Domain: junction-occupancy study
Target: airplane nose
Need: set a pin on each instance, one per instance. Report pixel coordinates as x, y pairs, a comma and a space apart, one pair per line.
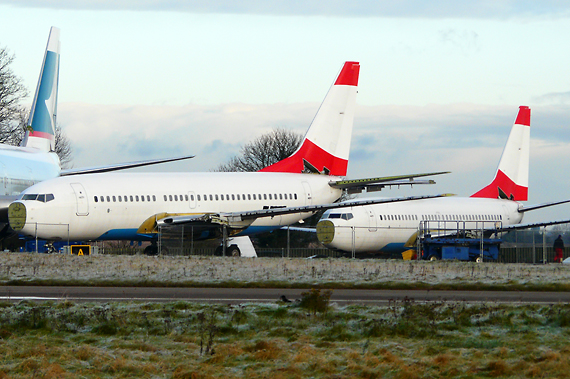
325, 231
17, 216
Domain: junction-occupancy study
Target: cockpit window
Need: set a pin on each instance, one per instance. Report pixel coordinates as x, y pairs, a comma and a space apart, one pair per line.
344, 216
44, 198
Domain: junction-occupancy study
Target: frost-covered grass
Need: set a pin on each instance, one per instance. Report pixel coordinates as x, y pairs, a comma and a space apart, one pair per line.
189, 340
29, 268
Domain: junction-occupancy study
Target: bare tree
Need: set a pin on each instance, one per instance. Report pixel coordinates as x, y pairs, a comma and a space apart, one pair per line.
264, 151
12, 91
63, 147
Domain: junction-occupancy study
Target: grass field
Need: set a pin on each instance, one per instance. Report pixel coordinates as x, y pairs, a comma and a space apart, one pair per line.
303, 339
283, 340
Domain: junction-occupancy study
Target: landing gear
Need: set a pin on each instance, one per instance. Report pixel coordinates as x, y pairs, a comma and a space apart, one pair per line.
50, 249
233, 251
151, 249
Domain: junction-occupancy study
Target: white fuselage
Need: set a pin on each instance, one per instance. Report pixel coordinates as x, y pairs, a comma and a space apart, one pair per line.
393, 227
114, 206
22, 167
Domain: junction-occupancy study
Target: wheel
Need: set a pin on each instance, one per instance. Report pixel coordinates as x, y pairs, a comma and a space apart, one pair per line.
479, 259
151, 250
233, 251
434, 258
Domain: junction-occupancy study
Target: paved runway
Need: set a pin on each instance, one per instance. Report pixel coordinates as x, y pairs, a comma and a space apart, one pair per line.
243, 295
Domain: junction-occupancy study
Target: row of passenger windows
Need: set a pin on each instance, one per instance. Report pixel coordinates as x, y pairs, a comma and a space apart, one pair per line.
249, 196
192, 197
443, 217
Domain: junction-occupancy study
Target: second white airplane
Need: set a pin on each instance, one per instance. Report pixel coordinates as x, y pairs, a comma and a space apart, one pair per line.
393, 228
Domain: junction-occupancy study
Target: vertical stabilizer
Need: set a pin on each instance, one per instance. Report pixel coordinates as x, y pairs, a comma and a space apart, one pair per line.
326, 146
511, 179
40, 133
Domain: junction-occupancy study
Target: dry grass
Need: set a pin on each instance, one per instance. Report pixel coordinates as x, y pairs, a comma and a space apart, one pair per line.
532, 343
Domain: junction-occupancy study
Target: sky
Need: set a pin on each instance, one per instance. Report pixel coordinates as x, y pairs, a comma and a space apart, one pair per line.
440, 81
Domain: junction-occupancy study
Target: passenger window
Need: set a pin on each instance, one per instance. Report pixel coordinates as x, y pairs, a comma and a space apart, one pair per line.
186, 197
169, 198
142, 198
192, 197
254, 197
249, 196
265, 197
211, 198
165, 198
137, 198
295, 196
153, 198
175, 197
198, 197
95, 198
120, 198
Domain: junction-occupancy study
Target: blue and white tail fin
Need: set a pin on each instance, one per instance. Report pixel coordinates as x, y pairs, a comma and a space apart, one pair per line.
40, 131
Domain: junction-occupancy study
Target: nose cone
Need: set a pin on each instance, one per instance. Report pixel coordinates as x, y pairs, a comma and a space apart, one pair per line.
325, 231
17, 216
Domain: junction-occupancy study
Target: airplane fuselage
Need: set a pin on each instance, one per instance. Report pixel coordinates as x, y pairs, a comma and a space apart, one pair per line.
394, 227
114, 206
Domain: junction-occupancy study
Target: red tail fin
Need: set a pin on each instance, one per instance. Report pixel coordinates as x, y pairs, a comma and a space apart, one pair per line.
511, 179
326, 145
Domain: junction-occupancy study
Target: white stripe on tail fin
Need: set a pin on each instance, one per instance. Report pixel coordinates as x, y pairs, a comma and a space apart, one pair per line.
40, 133
326, 145
511, 179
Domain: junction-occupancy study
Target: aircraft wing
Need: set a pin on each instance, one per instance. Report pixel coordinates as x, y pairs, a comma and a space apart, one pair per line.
376, 184
528, 226
234, 217
120, 166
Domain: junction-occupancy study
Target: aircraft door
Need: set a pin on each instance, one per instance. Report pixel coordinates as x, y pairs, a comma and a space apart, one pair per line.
192, 199
81, 199
372, 225
308, 194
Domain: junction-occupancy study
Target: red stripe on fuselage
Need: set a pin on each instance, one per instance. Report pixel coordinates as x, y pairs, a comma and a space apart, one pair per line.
315, 156
510, 188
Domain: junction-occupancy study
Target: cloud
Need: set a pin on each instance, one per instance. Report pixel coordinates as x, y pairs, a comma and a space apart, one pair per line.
342, 8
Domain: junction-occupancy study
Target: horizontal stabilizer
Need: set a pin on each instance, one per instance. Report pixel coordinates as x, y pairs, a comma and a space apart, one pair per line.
539, 206
120, 166
376, 184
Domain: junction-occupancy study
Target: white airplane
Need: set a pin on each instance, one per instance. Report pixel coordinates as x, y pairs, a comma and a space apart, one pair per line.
393, 228
132, 206
35, 160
